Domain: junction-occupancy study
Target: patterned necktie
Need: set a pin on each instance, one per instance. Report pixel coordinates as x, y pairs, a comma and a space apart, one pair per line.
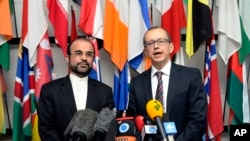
159, 90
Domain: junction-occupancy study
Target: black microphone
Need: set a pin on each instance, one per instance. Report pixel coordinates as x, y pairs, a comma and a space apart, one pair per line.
155, 111
81, 126
102, 124
126, 129
170, 128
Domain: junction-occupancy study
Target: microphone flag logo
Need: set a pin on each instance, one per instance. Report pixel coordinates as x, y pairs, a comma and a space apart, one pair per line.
170, 127
124, 127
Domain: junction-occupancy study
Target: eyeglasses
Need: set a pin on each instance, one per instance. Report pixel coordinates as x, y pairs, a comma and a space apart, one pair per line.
80, 54
160, 42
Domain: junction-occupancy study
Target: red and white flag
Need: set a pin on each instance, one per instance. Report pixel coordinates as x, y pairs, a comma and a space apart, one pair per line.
58, 16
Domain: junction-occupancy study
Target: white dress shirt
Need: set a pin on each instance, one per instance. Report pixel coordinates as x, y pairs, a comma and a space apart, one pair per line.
80, 88
165, 80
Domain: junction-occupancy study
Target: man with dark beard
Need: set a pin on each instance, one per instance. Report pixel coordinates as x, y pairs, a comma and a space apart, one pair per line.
60, 99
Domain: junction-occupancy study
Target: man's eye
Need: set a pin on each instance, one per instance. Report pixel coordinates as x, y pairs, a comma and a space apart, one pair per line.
161, 41
150, 43
78, 53
89, 54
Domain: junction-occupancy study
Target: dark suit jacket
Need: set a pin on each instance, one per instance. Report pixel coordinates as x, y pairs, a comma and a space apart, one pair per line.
186, 100
57, 105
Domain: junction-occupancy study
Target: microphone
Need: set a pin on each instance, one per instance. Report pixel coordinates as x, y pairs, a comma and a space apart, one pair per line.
170, 128
81, 125
149, 131
102, 124
139, 122
126, 129
155, 112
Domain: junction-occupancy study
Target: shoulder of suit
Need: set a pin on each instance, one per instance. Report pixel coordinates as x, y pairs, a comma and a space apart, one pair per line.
98, 83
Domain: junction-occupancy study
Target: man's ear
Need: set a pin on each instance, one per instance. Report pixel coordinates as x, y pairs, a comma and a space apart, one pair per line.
145, 52
171, 47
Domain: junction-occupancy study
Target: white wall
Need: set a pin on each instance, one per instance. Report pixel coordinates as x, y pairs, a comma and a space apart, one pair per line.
60, 66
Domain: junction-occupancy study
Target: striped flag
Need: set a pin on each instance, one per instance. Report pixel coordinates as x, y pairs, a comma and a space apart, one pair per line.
173, 19
235, 88
229, 34
38, 41
212, 87
199, 27
5, 33
91, 18
139, 22
24, 108
95, 72
116, 44
244, 51
91, 23
58, 16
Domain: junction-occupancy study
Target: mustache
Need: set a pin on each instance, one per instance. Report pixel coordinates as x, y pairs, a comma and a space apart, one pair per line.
83, 63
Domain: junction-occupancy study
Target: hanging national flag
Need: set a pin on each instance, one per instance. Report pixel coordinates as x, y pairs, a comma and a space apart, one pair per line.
244, 51
91, 23
91, 18
3, 89
212, 86
58, 16
116, 31
245, 29
199, 27
121, 88
5, 33
95, 72
235, 86
44, 65
73, 34
24, 108
229, 34
173, 19
139, 22
38, 41
116, 44
37, 26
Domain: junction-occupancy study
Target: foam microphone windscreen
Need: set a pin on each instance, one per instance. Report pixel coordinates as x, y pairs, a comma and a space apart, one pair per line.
103, 122
139, 122
81, 125
155, 112
154, 109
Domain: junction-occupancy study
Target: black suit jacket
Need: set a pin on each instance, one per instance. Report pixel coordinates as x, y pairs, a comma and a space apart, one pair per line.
186, 100
57, 105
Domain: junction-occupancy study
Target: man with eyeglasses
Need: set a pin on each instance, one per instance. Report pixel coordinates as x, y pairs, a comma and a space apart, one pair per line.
181, 89
60, 99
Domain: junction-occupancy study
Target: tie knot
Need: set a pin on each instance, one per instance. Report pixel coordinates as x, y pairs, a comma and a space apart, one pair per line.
159, 74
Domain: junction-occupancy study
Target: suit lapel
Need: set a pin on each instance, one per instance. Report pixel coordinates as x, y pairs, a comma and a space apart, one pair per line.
91, 88
147, 83
173, 83
67, 92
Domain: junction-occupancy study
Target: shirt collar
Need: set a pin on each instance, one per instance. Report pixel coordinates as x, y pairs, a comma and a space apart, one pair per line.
76, 79
165, 69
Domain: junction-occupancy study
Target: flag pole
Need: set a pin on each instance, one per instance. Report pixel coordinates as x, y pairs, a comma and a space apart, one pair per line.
5, 99
7, 110
14, 12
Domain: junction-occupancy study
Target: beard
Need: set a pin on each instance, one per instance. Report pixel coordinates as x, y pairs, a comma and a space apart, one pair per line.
82, 72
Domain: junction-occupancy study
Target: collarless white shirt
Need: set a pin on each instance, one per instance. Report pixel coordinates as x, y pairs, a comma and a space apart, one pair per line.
165, 81
80, 89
